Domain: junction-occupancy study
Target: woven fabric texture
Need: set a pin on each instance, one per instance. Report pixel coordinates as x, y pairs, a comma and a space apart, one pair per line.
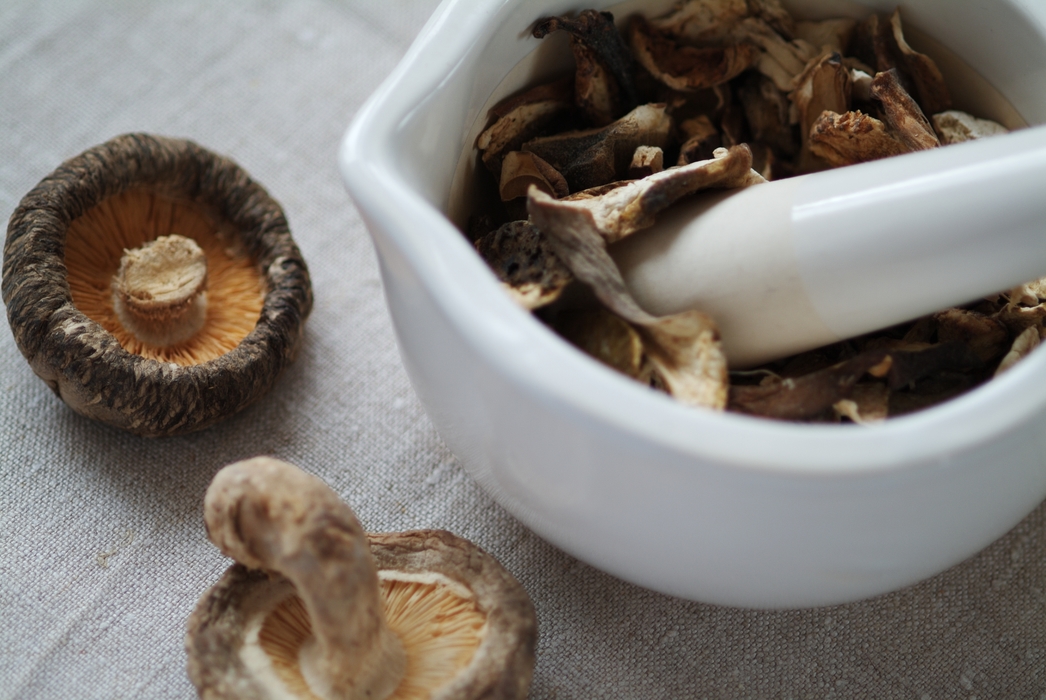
103, 553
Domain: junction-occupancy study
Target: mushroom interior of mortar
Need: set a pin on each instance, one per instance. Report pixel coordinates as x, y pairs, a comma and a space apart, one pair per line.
168, 279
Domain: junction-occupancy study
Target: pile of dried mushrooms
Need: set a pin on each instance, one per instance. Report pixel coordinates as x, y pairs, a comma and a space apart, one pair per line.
724, 94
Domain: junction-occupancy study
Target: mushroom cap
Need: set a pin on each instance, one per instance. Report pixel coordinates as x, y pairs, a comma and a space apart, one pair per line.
229, 636
83, 362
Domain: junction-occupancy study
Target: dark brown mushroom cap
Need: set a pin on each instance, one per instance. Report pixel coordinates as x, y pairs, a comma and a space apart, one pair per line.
500, 669
83, 363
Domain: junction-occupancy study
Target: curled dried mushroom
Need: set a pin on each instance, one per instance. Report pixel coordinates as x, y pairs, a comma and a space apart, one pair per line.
317, 608
153, 285
735, 92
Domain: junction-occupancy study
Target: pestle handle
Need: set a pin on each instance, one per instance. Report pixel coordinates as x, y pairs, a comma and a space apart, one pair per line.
795, 264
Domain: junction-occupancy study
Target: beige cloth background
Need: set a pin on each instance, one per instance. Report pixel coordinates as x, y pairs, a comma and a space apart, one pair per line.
102, 547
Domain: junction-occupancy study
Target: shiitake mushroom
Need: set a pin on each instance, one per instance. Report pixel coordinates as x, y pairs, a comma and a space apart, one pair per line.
154, 285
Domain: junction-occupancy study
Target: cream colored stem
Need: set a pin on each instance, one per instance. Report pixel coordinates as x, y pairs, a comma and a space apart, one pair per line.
267, 514
158, 292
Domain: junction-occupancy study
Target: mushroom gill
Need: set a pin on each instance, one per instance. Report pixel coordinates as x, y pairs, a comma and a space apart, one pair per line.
439, 626
119, 226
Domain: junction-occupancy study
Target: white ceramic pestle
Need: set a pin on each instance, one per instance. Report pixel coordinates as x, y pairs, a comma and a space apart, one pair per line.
795, 264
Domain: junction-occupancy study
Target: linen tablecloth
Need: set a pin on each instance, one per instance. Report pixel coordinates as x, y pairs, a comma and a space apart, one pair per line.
102, 547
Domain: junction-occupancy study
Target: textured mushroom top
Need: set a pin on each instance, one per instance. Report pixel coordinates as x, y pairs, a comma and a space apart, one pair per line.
69, 314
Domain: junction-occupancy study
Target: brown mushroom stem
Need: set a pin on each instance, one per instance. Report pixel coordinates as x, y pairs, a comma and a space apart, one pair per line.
267, 514
159, 291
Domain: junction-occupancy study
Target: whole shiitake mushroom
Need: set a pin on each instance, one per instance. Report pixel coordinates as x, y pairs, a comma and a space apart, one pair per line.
317, 608
154, 285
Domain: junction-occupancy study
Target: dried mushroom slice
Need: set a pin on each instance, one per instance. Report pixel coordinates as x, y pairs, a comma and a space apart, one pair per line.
954, 126
908, 364
715, 21
869, 403
684, 348
920, 71
873, 43
604, 336
594, 157
902, 114
700, 140
824, 86
686, 354
808, 397
826, 392
767, 112
153, 285
647, 160
317, 608
987, 336
621, 209
1021, 348
521, 118
604, 88
687, 68
732, 117
520, 170
1017, 319
830, 35
851, 138
781, 60
1036, 289
525, 263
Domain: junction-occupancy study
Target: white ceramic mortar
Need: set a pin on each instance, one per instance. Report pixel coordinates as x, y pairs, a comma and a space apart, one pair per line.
715, 507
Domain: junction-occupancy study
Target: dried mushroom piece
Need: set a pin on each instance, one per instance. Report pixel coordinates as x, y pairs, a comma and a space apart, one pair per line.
1036, 290
685, 352
687, 68
902, 114
605, 337
808, 397
732, 117
153, 285
647, 160
872, 43
767, 112
869, 403
521, 118
920, 71
315, 608
830, 35
880, 43
525, 264
700, 140
908, 363
520, 170
862, 85
1021, 348
851, 138
715, 21
954, 126
594, 157
1017, 319
621, 209
684, 348
987, 336
781, 60
604, 88
824, 85
826, 392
